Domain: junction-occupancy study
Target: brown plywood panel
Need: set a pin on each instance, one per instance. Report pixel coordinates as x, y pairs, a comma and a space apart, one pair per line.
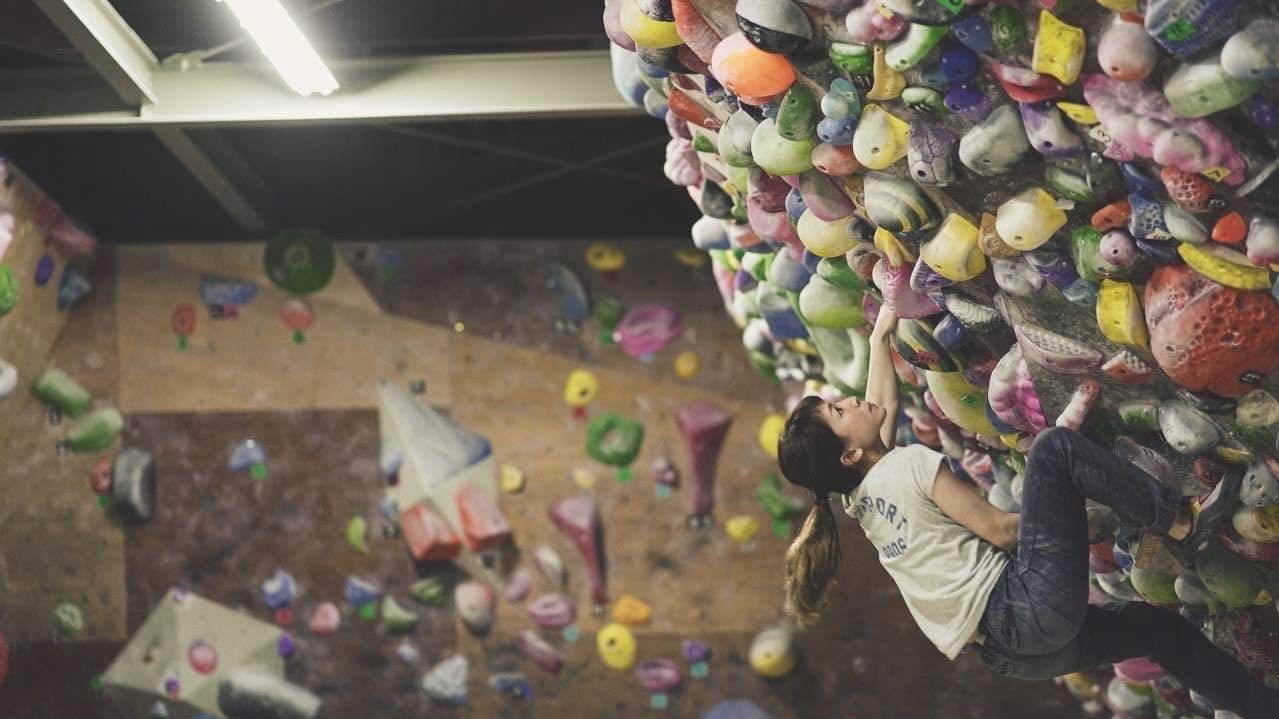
250, 362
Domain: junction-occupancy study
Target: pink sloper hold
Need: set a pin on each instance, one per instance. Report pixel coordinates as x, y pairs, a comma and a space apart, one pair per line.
1076, 410
552, 611
1012, 394
613, 25
646, 329
1140, 120
704, 428
894, 283
579, 519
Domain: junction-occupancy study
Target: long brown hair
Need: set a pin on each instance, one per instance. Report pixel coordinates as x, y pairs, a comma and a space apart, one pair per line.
808, 453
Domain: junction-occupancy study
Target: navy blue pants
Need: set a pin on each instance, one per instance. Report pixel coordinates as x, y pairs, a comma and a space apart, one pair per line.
1038, 623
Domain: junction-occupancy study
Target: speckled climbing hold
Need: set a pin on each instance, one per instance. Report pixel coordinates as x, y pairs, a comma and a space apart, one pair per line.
1186, 429
1016, 277
1059, 49
614, 439
852, 58
616, 646
1028, 219
888, 83
1125, 51
996, 145
1253, 53
1260, 482
1056, 352
1201, 88
1119, 314
1225, 266
68, 619
631, 610
953, 251
989, 241
747, 70
1184, 27
776, 27
772, 652
446, 681
918, 43
552, 611
1047, 131
1257, 408
475, 601
931, 153
778, 155
880, 139
95, 431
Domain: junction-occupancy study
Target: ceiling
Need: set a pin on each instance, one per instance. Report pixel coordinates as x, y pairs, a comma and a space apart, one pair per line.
582, 177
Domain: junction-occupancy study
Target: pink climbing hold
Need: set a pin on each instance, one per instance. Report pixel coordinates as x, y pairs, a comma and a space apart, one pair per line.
1012, 394
1138, 670
579, 519
538, 651
906, 303
703, 427
1076, 410
646, 329
202, 657
325, 620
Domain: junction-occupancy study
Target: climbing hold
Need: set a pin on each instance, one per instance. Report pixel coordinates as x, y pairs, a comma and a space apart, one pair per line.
299, 262
1184, 27
324, 620
1055, 352
776, 154
428, 536
56, 388
511, 479
1253, 53
1257, 408
395, 618
910, 50
616, 646
772, 652
1047, 132
1119, 314
431, 591
631, 610
798, 114
360, 592
888, 83
953, 251
1016, 277
688, 364
475, 602
1128, 368
930, 153
881, 138
95, 431
578, 519
1260, 482
68, 619
1125, 51
1202, 88
776, 27
1028, 219
1263, 241
8, 379
605, 257
1186, 429
770, 431
356, 528
747, 70
703, 427
552, 611
898, 206
1059, 49
539, 651
570, 294
580, 388
446, 681
9, 289
1223, 265
741, 528
613, 439
551, 565
995, 145
279, 590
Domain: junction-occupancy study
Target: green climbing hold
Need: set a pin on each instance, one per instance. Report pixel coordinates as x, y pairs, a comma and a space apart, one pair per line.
355, 531
924, 98
96, 431
8, 289
1085, 243
798, 114
1007, 26
1258, 438
95, 682
702, 143
396, 618
825, 304
1068, 184
432, 591
300, 262
1140, 414
852, 58
607, 314
368, 612
910, 50
836, 271
68, 620
614, 439
56, 388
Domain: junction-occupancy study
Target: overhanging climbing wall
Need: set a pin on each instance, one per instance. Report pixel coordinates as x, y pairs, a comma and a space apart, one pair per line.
1073, 207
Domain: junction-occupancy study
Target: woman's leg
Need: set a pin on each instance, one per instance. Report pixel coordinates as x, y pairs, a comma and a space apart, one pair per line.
1141, 630
1046, 586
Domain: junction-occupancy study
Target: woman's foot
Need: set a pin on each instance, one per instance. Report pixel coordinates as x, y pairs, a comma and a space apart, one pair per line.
1208, 514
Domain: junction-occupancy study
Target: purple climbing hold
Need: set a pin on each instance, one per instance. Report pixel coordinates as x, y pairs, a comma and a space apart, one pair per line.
695, 650
287, 646
969, 103
931, 153
959, 63
658, 675
44, 270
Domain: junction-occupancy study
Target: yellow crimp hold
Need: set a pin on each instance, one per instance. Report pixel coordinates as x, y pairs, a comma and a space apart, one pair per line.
888, 83
690, 257
511, 479
1079, 112
605, 257
1119, 314
802, 346
687, 364
880, 139
741, 528
894, 251
1216, 174
1059, 49
953, 251
770, 432
1225, 266
631, 610
646, 31
1010, 440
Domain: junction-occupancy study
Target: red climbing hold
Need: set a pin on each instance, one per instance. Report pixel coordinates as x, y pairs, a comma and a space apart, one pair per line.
1112, 216
483, 525
1230, 229
429, 537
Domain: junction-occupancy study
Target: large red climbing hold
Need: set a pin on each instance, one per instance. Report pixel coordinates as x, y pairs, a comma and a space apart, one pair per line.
1190, 190
429, 537
1207, 337
483, 525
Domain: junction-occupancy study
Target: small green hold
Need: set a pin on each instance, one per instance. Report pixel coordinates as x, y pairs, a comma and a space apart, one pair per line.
8, 289
369, 611
798, 113
355, 531
624, 474
56, 388
1068, 185
699, 670
781, 528
702, 143
1084, 245
911, 50
1142, 415
96, 431
396, 618
852, 58
257, 470
103, 502
924, 98
431, 591
68, 620
1007, 26
1257, 438
95, 682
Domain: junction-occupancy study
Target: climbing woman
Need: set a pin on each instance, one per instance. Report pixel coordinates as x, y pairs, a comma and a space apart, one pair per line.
1014, 586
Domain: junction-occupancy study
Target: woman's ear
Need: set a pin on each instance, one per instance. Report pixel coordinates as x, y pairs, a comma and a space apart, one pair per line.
851, 456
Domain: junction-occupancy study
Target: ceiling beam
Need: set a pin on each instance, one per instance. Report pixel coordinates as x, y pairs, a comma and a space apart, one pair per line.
120, 58
419, 89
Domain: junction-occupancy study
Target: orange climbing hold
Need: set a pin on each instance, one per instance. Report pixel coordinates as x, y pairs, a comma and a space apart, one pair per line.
428, 535
1112, 216
746, 70
687, 109
1230, 229
482, 522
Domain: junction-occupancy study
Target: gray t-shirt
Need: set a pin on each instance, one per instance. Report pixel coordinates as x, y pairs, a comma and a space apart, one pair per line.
944, 571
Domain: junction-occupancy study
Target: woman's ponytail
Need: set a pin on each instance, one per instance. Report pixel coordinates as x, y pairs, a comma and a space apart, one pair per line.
811, 563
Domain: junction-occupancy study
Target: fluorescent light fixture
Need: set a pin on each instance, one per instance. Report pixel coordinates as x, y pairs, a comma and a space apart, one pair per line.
270, 26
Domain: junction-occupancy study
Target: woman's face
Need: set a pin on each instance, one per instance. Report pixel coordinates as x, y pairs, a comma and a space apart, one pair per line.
855, 421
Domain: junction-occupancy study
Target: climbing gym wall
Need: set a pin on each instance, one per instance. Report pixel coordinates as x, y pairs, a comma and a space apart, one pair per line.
1071, 204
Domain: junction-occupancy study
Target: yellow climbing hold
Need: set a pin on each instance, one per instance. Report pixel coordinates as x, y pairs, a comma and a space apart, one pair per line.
880, 139
826, 239
689, 257
646, 31
580, 388
1119, 314
511, 479
1010, 439
355, 530
953, 251
888, 83
963, 402
616, 646
1119, 5
802, 346
605, 257
770, 432
742, 527
1079, 112
687, 364
894, 251
1225, 266
1028, 219
1082, 685
772, 652
632, 610
583, 478
1059, 49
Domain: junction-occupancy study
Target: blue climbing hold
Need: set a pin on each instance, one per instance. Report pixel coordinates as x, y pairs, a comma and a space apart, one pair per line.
959, 63
974, 32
